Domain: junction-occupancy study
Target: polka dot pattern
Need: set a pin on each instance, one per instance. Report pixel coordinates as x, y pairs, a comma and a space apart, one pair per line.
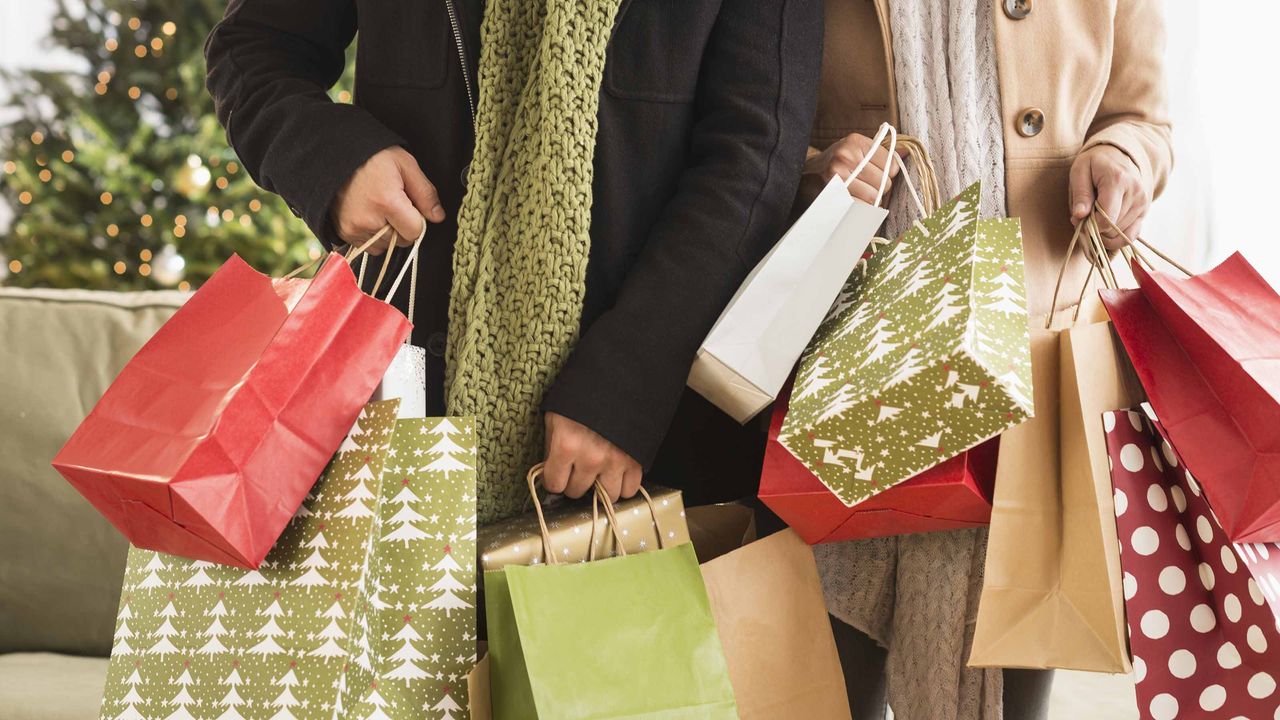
1202, 612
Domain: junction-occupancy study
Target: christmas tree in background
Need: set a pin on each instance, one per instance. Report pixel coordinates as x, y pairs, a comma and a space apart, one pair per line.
118, 175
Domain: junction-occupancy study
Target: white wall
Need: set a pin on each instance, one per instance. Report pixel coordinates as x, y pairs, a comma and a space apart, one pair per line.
1224, 94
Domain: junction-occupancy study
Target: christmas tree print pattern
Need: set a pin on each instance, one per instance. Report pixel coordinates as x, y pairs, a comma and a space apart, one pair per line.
924, 355
302, 635
421, 609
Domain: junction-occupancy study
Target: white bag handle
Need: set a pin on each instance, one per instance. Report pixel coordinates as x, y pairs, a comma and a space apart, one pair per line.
885, 129
892, 133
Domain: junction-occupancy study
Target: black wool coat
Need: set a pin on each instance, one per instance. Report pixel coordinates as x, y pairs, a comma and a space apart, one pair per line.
704, 118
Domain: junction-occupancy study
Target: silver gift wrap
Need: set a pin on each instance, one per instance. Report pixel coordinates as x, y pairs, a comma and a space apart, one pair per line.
406, 379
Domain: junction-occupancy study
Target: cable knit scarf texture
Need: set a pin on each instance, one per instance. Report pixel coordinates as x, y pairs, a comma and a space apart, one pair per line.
519, 265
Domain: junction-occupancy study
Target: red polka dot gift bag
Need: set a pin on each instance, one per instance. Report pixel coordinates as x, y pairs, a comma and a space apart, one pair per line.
1202, 611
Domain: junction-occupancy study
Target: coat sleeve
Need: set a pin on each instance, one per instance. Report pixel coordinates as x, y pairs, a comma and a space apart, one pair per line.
1133, 114
270, 66
753, 113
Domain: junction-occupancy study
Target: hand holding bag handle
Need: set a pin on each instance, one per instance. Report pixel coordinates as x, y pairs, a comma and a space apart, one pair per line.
1097, 254
361, 252
927, 200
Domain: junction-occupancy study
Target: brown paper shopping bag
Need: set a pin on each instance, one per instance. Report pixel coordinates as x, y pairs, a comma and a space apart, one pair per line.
1052, 595
768, 605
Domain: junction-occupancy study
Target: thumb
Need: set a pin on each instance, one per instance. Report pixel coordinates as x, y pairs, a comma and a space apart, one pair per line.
1082, 196
421, 192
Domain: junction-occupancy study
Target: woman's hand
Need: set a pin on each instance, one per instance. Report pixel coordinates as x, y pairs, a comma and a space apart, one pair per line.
1106, 175
388, 188
577, 456
841, 157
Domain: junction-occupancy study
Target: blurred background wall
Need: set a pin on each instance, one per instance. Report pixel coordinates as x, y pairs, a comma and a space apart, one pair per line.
1221, 69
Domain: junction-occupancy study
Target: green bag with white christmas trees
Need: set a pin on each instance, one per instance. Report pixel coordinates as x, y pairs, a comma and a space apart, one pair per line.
925, 355
365, 608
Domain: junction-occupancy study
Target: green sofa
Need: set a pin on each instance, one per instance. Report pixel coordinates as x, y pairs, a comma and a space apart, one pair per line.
61, 563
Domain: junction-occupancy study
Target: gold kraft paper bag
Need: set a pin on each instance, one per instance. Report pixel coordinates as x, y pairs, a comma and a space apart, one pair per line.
767, 602
1052, 597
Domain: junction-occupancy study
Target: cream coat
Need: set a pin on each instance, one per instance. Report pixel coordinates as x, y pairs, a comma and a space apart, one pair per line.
1093, 68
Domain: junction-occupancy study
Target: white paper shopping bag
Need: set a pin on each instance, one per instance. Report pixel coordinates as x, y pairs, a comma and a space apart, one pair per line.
749, 353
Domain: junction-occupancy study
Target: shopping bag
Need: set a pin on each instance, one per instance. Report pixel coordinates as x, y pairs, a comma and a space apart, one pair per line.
778, 669
1051, 594
719, 529
578, 530
767, 602
749, 353
1202, 612
950, 496
207, 441
324, 626
641, 622
925, 357
1208, 352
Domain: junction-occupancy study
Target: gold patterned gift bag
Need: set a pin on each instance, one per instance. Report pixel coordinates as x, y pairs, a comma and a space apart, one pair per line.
364, 608
518, 540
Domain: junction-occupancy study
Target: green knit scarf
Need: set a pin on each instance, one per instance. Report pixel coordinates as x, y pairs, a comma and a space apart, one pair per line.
520, 262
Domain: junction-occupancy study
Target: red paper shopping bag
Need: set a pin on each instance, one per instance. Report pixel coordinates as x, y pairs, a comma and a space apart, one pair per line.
1202, 612
953, 495
1207, 350
208, 440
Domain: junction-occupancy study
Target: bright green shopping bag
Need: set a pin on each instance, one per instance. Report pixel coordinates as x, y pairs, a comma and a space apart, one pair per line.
626, 637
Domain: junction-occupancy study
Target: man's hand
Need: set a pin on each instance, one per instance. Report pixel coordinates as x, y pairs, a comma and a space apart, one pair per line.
388, 188
1108, 176
577, 457
841, 157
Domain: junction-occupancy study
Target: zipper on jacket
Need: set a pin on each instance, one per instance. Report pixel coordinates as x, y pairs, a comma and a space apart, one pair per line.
462, 56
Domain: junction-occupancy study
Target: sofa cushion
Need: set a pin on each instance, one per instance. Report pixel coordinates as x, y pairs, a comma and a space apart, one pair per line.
46, 686
61, 563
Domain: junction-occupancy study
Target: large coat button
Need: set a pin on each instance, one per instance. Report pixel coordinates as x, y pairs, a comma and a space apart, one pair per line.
1031, 122
1017, 9
436, 344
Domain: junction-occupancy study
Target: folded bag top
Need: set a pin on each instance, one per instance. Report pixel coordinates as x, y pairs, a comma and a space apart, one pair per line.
641, 623
207, 441
1207, 350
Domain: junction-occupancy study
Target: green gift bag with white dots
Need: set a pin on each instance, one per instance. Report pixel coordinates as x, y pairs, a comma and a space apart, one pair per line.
364, 609
925, 354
